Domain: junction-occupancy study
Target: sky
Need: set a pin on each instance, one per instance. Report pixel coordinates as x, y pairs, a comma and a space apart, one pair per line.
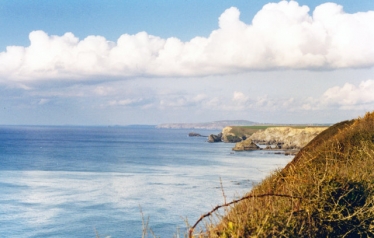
149, 62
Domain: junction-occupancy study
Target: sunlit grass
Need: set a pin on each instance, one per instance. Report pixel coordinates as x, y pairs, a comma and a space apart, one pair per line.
328, 188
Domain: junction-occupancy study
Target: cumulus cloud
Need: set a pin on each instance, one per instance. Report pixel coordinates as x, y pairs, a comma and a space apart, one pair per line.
346, 97
239, 97
281, 35
312, 104
350, 95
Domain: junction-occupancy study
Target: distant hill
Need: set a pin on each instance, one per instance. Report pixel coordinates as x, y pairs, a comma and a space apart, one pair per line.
215, 125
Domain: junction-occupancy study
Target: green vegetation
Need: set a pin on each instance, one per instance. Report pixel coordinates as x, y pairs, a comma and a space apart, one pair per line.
326, 191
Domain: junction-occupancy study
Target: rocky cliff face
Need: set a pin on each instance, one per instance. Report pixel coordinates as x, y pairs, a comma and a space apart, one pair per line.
281, 137
286, 137
229, 137
226, 136
215, 138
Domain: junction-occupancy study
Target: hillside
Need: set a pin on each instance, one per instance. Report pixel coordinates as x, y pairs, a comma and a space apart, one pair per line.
326, 191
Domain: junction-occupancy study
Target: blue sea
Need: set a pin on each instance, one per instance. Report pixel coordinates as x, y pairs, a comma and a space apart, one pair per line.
83, 181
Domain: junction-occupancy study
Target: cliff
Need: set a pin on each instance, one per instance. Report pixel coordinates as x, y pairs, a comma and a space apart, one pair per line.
228, 135
286, 137
238, 131
283, 137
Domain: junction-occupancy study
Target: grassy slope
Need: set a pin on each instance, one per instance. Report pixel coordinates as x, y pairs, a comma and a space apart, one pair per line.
331, 181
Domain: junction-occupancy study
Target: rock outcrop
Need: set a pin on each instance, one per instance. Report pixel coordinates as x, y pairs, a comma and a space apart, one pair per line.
215, 138
286, 137
225, 137
247, 144
229, 137
194, 134
280, 138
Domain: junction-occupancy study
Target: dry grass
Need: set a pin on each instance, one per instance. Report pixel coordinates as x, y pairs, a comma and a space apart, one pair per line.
334, 177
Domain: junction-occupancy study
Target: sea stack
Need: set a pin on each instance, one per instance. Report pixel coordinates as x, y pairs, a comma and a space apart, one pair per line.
247, 144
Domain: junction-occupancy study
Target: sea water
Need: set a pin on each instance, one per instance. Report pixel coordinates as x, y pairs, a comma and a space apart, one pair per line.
83, 181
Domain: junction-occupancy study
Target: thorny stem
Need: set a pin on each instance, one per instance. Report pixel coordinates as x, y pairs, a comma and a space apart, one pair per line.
233, 202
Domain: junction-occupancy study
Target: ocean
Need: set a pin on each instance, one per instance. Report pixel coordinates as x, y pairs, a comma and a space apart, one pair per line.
70, 181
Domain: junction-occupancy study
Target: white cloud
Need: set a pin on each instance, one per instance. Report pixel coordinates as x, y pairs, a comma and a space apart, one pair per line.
43, 101
281, 35
350, 95
126, 102
214, 103
288, 102
239, 97
239, 101
200, 97
346, 97
180, 102
312, 104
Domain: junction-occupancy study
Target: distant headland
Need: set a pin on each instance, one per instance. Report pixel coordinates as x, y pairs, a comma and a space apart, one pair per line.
219, 125
215, 125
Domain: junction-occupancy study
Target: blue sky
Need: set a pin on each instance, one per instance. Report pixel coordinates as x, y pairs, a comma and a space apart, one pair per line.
150, 62
165, 18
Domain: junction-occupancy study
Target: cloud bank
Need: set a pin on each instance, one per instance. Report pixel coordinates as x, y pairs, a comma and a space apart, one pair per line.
350, 96
282, 35
347, 97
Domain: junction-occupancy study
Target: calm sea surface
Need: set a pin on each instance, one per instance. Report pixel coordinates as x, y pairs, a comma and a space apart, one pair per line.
71, 181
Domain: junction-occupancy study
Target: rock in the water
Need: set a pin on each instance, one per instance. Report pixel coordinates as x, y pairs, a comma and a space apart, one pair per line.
194, 134
215, 138
247, 144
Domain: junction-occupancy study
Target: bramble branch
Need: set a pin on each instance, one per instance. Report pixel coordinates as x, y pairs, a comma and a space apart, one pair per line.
233, 202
